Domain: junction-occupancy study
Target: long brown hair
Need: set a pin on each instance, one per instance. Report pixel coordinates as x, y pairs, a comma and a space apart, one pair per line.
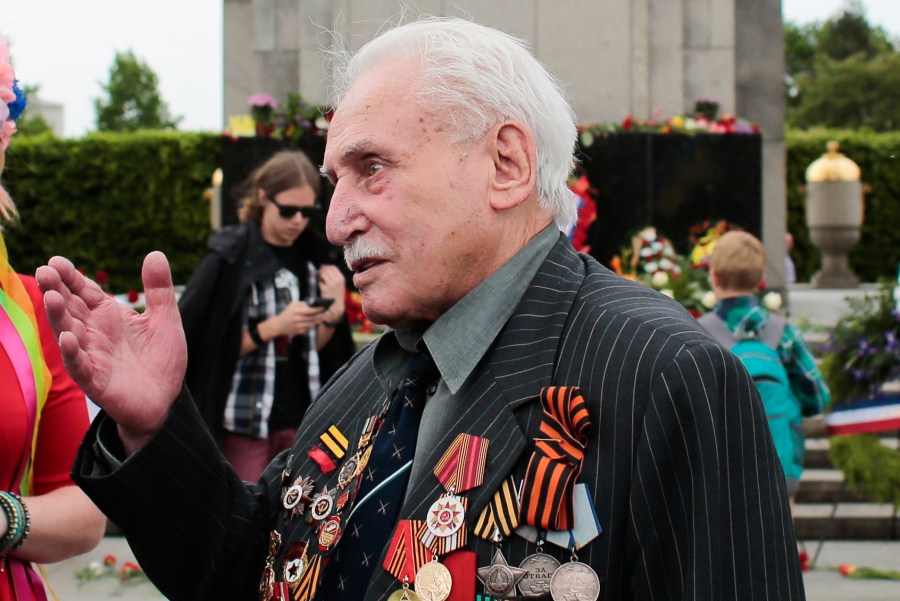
286, 169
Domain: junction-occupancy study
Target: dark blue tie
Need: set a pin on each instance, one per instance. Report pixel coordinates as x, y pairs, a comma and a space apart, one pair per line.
382, 489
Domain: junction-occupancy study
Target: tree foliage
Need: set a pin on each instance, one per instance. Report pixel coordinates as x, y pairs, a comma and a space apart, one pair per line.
133, 100
843, 73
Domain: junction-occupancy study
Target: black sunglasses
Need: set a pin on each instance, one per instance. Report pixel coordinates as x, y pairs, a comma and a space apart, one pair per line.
289, 212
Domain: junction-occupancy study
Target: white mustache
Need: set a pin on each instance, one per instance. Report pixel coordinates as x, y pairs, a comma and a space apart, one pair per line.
359, 250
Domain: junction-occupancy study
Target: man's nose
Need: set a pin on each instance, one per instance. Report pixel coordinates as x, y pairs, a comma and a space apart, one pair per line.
345, 218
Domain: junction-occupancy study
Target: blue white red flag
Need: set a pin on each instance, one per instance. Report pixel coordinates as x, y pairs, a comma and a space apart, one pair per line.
865, 416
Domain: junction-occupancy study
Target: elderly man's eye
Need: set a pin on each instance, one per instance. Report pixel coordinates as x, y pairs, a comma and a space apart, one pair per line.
373, 168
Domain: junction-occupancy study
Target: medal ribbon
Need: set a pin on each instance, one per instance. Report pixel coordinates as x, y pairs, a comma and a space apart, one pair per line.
305, 588
502, 513
556, 461
461, 468
405, 555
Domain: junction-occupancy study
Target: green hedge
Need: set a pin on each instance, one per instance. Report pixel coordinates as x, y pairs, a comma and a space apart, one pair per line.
106, 200
878, 156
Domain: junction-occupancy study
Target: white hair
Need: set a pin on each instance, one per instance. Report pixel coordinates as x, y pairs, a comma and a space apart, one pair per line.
478, 77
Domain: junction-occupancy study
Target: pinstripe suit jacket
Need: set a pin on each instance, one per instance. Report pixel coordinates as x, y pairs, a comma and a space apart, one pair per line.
680, 464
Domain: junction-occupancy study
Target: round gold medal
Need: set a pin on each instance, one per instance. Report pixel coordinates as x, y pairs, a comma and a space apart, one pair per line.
433, 582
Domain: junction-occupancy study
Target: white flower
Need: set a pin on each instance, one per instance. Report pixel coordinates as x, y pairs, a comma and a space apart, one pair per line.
665, 263
646, 251
659, 279
587, 138
321, 123
772, 301
709, 299
668, 292
651, 267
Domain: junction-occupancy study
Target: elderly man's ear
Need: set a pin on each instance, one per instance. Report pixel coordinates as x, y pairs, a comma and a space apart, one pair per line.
515, 165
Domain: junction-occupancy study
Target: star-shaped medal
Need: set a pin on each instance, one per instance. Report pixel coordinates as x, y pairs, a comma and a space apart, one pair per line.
499, 578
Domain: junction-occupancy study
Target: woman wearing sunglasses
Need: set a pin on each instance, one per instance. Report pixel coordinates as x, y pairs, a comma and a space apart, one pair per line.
43, 417
264, 316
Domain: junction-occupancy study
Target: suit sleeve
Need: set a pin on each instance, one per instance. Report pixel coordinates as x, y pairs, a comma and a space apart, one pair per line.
196, 529
710, 515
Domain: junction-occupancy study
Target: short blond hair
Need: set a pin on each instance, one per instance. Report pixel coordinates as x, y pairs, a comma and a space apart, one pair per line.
739, 261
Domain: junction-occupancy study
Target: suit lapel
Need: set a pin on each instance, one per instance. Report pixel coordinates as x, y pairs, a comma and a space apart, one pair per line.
499, 403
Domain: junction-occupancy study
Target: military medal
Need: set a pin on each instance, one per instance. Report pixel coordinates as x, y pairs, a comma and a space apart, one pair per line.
539, 568
433, 581
404, 594
329, 532
461, 468
267, 581
355, 465
296, 497
322, 505
499, 578
294, 562
575, 580
446, 515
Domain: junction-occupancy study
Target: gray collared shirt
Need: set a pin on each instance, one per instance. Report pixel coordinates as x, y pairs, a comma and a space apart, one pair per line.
460, 338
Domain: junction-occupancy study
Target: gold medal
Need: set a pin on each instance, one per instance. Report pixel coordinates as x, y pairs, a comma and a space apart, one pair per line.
404, 594
433, 582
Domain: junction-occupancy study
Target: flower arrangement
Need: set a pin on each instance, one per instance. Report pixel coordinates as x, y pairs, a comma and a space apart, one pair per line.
128, 573
705, 119
290, 120
863, 352
587, 212
703, 237
862, 360
651, 259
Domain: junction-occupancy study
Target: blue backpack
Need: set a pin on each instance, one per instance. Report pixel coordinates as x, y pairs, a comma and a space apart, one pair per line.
761, 359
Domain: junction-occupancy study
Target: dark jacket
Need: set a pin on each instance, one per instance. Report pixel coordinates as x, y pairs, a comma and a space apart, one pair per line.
212, 309
679, 462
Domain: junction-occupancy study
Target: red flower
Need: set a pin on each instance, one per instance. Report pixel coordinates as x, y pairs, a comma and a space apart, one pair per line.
102, 278
804, 561
628, 123
846, 569
133, 296
109, 560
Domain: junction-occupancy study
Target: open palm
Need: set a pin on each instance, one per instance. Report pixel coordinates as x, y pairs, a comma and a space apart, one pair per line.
130, 364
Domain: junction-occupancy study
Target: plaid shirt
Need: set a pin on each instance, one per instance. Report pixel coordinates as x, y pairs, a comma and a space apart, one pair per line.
252, 395
744, 317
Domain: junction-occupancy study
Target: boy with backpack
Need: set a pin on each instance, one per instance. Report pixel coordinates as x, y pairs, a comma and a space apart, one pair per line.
773, 351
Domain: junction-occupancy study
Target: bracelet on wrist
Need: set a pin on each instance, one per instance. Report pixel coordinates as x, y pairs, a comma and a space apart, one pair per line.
253, 330
18, 522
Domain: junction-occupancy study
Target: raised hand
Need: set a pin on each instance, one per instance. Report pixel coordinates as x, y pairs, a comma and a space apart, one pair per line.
130, 364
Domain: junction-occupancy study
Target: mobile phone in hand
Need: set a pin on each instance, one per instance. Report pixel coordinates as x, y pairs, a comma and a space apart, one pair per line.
322, 303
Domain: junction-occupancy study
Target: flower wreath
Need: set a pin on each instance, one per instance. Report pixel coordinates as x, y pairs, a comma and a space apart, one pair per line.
862, 360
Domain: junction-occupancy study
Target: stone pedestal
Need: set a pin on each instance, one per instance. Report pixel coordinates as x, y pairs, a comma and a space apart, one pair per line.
834, 217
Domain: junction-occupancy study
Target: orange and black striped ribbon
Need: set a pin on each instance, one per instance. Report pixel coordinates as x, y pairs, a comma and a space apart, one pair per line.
461, 468
548, 491
406, 554
305, 588
502, 513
